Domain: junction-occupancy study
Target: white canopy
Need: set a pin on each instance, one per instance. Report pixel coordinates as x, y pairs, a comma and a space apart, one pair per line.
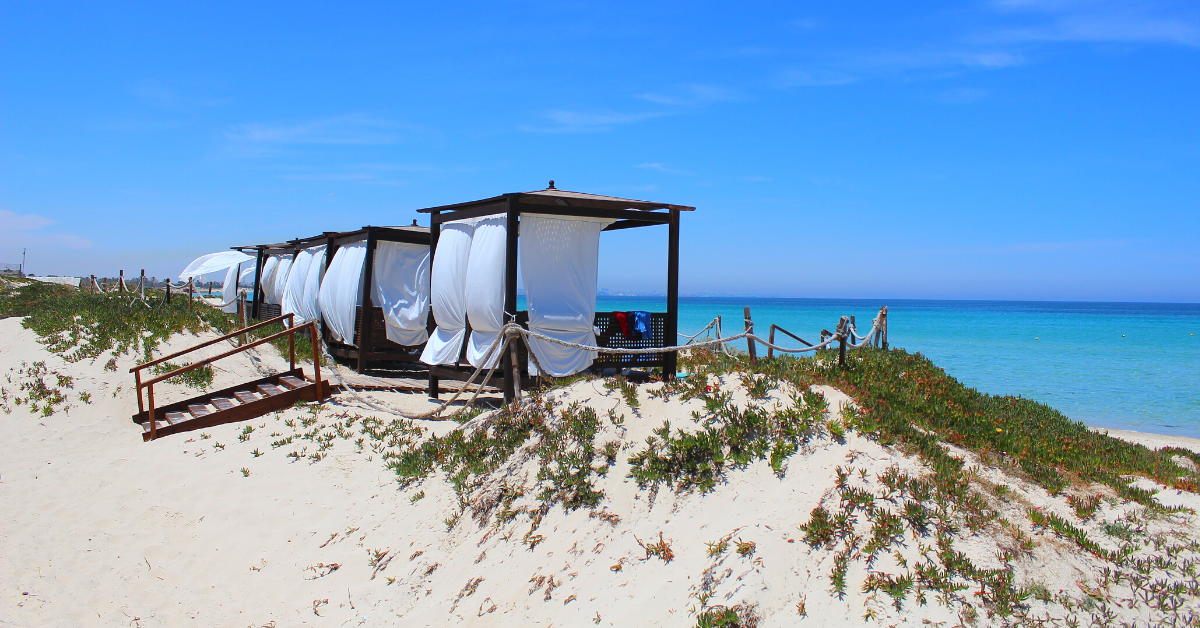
268, 278
448, 292
279, 284
300, 295
485, 288
559, 258
213, 262
400, 285
341, 291
229, 289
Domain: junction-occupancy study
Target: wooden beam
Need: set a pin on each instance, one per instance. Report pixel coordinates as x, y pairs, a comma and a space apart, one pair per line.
435, 231
472, 212
364, 332
630, 224
661, 218
510, 294
258, 292
671, 328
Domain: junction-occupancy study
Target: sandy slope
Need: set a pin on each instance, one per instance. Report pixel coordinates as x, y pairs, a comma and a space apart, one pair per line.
99, 528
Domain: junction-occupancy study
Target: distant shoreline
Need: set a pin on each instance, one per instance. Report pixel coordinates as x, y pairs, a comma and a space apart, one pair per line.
1150, 439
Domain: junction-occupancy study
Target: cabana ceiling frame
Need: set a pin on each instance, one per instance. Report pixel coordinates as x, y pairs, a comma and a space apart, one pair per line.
626, 213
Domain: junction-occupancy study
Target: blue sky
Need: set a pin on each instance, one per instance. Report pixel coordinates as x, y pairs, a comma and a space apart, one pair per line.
1014, 149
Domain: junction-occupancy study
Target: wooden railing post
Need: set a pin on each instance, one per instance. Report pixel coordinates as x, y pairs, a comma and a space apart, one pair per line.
242, 339
153, 422
771, 339
142, 284
316, 355
121, 285
168, 297
750, 341
137, 380
191, 289
292, 347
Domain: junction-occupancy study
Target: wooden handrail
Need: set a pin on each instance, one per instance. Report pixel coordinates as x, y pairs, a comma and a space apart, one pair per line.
770, 351
184, 369
239, 332
290, 332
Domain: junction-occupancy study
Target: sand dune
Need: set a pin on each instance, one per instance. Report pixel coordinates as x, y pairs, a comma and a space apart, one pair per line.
99, 528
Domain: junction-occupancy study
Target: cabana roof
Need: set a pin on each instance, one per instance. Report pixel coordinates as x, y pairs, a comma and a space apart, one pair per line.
555, 202
563, 198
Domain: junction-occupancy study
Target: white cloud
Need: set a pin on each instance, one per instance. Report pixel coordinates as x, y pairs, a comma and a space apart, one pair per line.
349, 129
661, 168
18, 230
587, 122
1101, 21
693, 94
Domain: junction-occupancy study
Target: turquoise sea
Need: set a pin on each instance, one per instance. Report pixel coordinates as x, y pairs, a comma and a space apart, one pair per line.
1132, 366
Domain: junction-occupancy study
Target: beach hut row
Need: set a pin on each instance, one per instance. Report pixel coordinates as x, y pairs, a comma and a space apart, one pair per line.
436, 298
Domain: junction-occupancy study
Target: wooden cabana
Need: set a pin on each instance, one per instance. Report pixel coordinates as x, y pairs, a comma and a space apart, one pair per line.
260, 308
370, 343
611, 212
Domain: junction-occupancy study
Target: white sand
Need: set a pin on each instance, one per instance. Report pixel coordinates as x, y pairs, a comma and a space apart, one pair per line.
100, 529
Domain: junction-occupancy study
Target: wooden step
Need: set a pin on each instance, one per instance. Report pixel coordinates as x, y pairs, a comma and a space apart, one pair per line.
199, 410
269, 390
245, 396
223, 403
293, 382
175, 417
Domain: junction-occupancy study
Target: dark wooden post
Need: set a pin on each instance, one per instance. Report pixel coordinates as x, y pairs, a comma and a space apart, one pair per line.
258, 291
121, 287
210, 289
364, 333
750, 341
312, 334
843, 331
191, 290
435, 230
142, 284
168, 297
671, 328
885, 326
771, 339
510, 295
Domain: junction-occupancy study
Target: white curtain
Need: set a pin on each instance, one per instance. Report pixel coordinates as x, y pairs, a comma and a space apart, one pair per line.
559, 258
281, 279
293, 294
213, 262
310, 310
268, 278
341, 291
485, 288
400, 285
448, 292
229, 288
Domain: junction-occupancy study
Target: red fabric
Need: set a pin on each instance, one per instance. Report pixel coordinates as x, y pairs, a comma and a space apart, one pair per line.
623, 321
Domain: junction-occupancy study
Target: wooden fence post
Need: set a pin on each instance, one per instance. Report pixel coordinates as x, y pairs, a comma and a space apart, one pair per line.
191, 288
843, 330
121, 284
750, 341
168, 297
771, 339
142, 285
885, 325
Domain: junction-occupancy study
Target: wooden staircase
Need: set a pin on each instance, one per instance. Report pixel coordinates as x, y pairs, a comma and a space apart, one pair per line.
237, 403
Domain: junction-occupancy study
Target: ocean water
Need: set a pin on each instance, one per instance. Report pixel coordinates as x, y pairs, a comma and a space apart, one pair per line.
1132, 366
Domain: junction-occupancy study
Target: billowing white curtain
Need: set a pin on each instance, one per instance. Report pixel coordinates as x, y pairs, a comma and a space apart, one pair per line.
281, 279
268, 278
310, 309
559, 258
448, 292
293, 294
213, 262
400, 285
341, 291
485, 288
229, 289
